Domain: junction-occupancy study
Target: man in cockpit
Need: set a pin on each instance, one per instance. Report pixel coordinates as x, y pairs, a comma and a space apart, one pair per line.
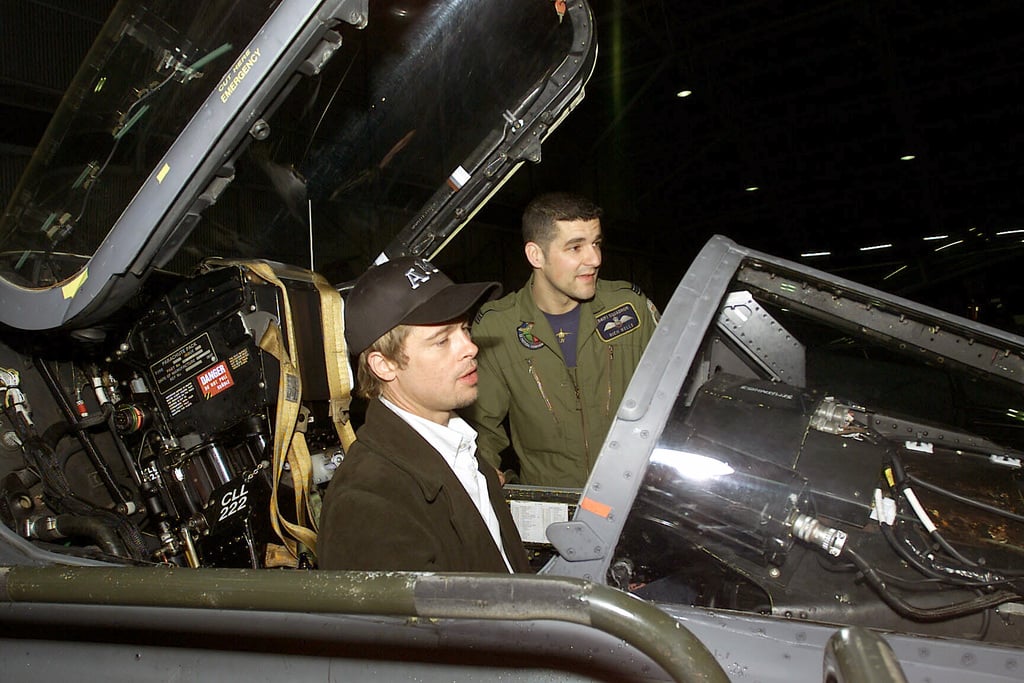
556, 356
410, 494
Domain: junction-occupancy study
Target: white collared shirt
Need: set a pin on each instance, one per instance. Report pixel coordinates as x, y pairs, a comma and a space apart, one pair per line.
457, 445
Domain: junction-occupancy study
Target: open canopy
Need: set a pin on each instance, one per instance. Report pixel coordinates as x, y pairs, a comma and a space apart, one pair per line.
319, 134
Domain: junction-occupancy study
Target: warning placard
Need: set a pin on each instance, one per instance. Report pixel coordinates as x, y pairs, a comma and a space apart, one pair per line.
215, 380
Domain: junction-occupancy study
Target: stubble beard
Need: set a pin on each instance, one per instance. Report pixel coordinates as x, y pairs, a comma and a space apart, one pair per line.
465, 400
584, 292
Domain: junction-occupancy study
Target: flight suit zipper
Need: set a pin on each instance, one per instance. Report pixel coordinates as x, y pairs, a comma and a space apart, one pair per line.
611, 364
540, 388
583, 418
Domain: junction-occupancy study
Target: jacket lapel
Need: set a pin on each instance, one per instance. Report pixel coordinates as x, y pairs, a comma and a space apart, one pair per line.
393, 439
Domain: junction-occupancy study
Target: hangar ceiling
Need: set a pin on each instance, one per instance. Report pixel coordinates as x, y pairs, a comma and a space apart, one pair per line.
814, 104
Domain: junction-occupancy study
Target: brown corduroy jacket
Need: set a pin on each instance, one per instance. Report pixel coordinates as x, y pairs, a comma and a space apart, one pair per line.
395, 504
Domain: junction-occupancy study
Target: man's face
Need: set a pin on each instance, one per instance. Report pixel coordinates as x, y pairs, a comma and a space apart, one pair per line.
440, 372
567, 267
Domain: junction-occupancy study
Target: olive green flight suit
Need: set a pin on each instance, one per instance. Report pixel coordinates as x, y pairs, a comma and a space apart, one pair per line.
558, 416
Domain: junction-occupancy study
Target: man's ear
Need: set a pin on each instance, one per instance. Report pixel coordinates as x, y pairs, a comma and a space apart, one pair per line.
534, 254
381, 365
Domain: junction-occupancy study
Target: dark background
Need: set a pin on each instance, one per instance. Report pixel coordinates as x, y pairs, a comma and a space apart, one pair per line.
812, 103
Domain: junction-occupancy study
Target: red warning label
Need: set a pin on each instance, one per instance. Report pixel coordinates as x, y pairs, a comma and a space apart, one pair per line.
215, 380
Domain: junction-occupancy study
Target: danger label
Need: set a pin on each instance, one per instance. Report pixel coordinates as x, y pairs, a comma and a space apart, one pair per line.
215, 380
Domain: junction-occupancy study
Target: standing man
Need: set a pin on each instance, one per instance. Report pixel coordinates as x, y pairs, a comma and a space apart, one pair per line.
556, 356
410, 494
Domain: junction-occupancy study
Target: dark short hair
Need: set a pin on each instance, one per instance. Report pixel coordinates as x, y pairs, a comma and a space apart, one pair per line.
541, 214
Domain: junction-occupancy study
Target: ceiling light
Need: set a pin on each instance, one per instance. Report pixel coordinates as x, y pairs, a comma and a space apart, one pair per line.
876, 246
931, 238
951, 244
684, 93
1009, 232
908, 157
812, 254
752, 188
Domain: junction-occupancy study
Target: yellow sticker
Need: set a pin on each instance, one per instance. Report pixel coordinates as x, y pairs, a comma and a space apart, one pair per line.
70, 289
163, 173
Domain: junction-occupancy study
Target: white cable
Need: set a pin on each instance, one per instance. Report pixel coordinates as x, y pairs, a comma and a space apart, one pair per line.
919, 510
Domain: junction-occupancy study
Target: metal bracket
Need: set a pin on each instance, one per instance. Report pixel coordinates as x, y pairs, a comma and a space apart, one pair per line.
576, 542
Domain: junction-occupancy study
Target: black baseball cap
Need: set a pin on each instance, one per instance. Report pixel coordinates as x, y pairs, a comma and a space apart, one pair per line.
407, 291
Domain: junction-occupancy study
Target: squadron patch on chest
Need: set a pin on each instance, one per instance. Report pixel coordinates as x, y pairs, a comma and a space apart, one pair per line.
617, 322
526, 336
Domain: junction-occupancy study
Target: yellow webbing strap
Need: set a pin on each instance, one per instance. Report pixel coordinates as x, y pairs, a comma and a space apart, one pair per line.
332, 316
289, 446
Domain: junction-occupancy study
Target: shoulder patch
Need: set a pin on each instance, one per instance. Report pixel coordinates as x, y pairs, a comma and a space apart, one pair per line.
526, 336
617, 321
655, 313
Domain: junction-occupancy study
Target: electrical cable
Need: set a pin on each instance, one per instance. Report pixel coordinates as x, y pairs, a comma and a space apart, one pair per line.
931, 567
60, 497
900, 482
981, 505
925, 614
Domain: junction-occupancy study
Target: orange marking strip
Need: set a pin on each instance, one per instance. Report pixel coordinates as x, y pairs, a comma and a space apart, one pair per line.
599, 509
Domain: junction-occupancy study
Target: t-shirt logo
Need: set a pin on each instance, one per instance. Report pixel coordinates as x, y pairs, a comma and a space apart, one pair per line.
617, 322
526, 336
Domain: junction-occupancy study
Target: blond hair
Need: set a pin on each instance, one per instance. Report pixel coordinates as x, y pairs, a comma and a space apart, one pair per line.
390, 345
